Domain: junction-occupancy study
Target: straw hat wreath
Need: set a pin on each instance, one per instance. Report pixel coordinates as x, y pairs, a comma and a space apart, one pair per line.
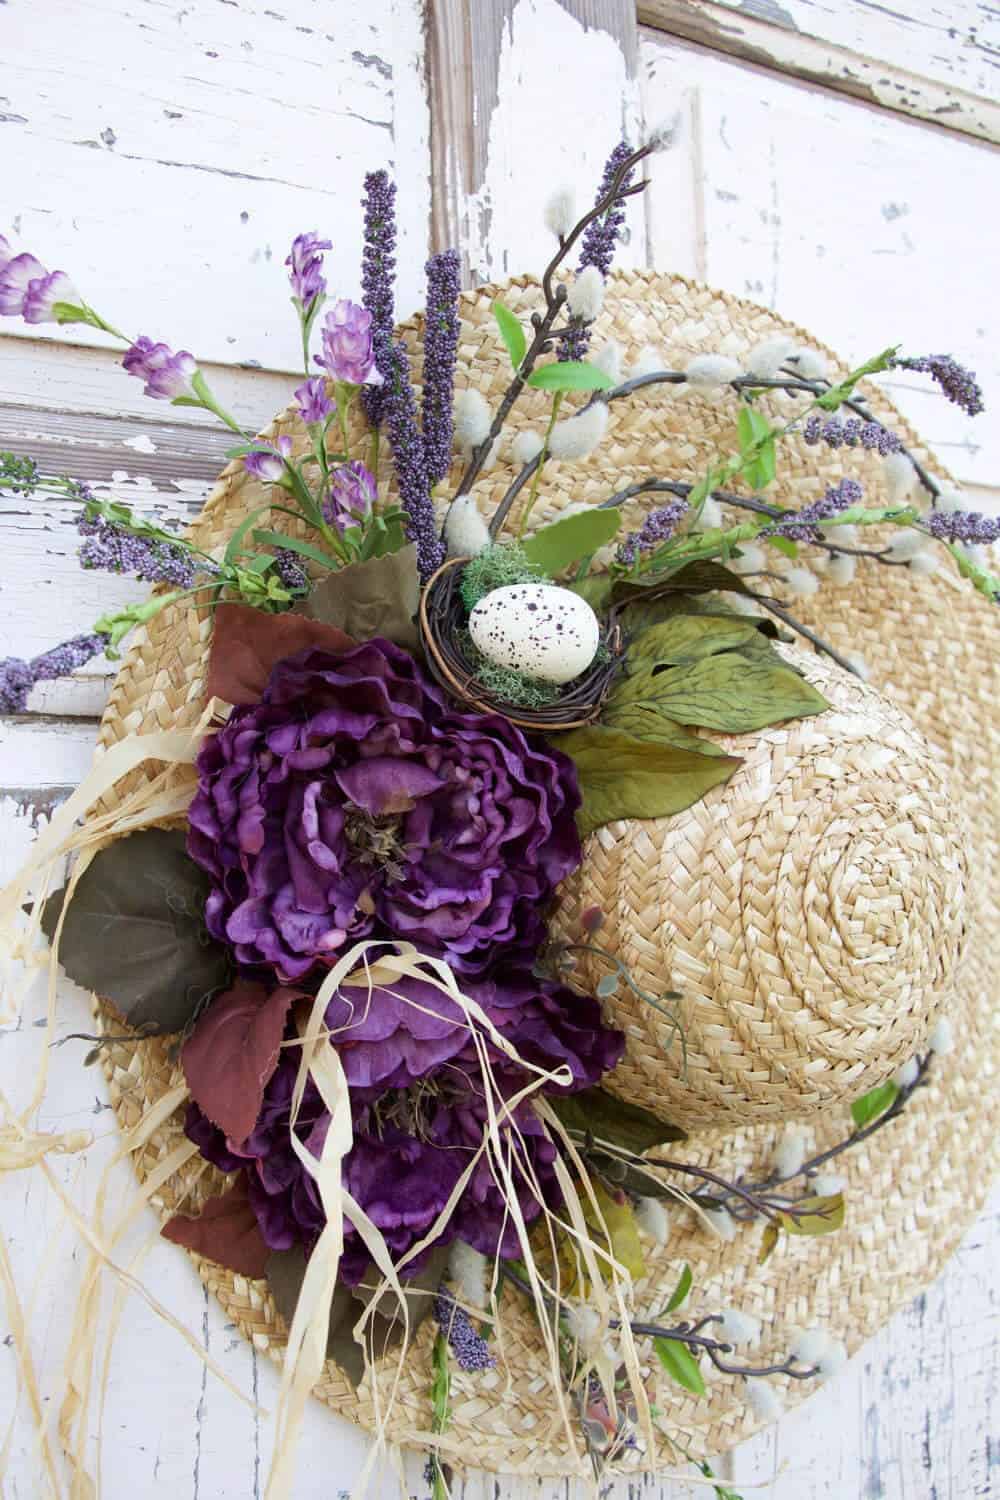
533, 892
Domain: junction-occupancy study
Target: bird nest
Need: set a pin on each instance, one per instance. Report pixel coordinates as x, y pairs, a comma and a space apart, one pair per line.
444, 634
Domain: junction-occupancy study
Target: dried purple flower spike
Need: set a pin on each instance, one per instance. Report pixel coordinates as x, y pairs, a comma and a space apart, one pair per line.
598, 247
17, 677
803, 525
117, 550
378, 267
469, 1347
956, 382
305, 262
410, 465
440, 347
166, 375
659, 526
968, 526
838, 434
288, 566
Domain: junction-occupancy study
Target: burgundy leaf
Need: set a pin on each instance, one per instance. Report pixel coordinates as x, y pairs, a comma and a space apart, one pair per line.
232, 1053
246, 643
226, 1231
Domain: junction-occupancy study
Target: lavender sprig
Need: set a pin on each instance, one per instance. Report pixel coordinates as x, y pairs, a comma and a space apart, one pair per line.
838, 434
378, 267
968, 526
440, 347
469, 1347
803, 525
955, 381
18, 677
410, 465
659, 526
597, 248
110, 545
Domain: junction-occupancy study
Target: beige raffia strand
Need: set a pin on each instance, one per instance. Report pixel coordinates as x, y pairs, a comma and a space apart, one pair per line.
931, 646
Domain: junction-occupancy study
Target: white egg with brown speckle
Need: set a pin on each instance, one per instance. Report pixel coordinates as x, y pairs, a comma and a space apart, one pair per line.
544, 631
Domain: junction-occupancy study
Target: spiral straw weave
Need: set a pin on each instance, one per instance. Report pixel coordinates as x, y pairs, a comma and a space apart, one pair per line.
912, 1188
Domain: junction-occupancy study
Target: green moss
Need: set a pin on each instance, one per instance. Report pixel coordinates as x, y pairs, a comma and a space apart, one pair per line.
495, 567
504, 683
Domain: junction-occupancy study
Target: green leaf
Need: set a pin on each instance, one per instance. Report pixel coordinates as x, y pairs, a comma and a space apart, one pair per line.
552, 548
752, 426
645, 723
735, 692
785, 545
874, 1103
768, 1243
760, 471
569, 375
378, 597
680, 1292
304, 549
592, 1112
757, 444
625, 777
596, 590
688, 638
135, 934
699, 577
680, 1364
511, 332
814, 1216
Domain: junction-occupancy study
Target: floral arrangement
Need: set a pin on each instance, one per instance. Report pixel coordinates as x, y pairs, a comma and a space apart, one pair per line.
427, 713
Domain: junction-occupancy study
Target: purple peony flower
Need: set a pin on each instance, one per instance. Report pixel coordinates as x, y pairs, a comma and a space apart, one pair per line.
305, 261
27, 290
347, 345
166, 375
352, 800
268, 464
352, 494
313, 402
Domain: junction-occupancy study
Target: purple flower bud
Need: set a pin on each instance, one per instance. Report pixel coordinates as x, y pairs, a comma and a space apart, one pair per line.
347, 344
268, 463
27, 290
44, 292
305, 261
313, 402
166, 375
352, 494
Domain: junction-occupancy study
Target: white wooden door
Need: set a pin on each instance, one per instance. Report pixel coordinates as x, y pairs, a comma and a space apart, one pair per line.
165, 152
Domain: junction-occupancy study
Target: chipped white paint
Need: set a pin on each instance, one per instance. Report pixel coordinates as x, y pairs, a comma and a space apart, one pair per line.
301, 112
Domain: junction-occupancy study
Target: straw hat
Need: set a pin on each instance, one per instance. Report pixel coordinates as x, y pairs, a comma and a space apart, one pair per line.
860, 896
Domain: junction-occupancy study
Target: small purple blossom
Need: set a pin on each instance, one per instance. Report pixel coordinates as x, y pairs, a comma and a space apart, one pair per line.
803, 525
410, 465
838, 434
347, 344
313, 402
440, 347
305, 261
969, 526
27, 290
17, 677
166, 375
956, 382
600, 238
378, 268
117, 550
352, 494
469, 1347
268, 463
659, 526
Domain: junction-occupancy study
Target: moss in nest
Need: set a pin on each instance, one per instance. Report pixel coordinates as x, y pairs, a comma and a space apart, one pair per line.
495, 567
504, 682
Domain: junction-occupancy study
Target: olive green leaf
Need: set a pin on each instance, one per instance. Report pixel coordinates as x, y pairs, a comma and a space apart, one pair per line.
687, 638
734, 692
622, 776
596, 1113
680, 1364
378, 597
680, 1292
134, 932
874, 1103
565, 541
814, 1216
596, 589
768, 1243
511, 332
703, 576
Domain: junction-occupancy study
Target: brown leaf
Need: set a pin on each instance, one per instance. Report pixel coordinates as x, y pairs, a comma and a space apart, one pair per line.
232, 1052
226, 1231
246, 643
377, 597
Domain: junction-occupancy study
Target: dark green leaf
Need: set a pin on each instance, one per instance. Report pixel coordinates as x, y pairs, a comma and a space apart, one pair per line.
135, 933
366, 599
700, 577
735, 692
688, 638
680, 1364
511, 332
286, 1270
815, 1216
680, 1291
624, 777
552, 548
645, 723
592, 1112
768, 1243
874, 1103
569, 375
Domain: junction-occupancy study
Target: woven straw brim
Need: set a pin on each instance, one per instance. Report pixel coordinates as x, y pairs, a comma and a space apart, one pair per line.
914, 1187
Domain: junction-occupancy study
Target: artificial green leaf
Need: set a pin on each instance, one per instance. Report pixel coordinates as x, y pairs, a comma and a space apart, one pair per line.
874, 1103
735, 692
688, 638
615, 1222
768, 1243
511, 332
680, 1364
552, 548
625, 777
757, 444
378, 597
752, 426
646, 723
134, 932
602, 1116
702, 576
293, 544
784, 544
814, 1216
760, 470
680, 1292
569, 375
596, 589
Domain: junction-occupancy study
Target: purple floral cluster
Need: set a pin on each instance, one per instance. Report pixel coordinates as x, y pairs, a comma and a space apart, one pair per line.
600, 239
968, 526
659, 526
378, 268
18, 677
850, 434
29, 291
955, 381
441, 330
803, 525
117, 550
470, 1349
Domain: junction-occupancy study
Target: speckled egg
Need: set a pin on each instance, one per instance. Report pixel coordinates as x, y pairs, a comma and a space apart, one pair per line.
544, 631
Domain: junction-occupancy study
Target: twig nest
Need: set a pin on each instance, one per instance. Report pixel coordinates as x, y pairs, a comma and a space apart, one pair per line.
811, 913
543, 631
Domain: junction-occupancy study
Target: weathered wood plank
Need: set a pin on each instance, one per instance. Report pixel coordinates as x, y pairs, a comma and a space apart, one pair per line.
930, 62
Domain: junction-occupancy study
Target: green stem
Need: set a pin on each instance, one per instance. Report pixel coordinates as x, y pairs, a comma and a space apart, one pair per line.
536, 477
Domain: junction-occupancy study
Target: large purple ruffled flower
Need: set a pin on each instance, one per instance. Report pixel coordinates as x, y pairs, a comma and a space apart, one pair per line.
352, 801
347, 345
